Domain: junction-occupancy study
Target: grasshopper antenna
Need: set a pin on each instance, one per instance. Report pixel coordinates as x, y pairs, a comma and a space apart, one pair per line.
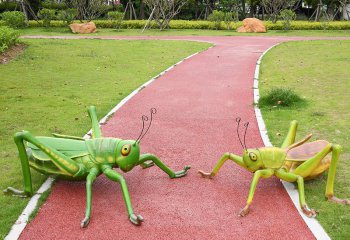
153, 111
245, 133
238, 120
144, 119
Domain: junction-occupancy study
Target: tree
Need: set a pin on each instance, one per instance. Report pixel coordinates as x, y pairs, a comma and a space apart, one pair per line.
89, 9
163, 11
233, 7
274, 7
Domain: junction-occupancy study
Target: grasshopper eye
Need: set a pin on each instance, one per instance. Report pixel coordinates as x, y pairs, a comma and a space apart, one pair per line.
253, 156
125, 150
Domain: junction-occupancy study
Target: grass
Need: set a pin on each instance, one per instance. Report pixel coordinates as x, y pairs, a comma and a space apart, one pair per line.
280, 97
48, 88
319, 72
186, 32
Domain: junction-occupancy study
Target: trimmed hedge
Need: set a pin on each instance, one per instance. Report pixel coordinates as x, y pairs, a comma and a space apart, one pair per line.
8, 38
184, 24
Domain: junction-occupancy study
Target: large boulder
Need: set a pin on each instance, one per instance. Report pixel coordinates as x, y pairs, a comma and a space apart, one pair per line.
252, 25
88, 27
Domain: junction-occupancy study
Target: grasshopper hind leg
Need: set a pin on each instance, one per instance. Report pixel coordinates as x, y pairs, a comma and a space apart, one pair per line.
336, 150
62, 162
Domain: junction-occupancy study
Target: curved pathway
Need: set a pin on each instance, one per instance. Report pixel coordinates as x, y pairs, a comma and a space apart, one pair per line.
197, 103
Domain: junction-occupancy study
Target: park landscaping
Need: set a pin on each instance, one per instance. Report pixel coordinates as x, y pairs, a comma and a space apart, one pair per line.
318, 72
64, 87
69, 75
43, 75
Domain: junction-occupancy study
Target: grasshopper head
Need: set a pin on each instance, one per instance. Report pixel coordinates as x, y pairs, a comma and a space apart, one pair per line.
252, 159
127, 154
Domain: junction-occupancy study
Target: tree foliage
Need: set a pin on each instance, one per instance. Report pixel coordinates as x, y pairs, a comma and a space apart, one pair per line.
274, 7
89, 9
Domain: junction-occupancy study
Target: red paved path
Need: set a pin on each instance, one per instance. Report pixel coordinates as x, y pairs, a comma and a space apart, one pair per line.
197, 104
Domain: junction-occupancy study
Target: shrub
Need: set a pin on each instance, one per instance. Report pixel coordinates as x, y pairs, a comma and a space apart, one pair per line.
280, 97
116, 18
8, 38
287, 16
67, 15
228, 18
47, 15
14, 19
217, 17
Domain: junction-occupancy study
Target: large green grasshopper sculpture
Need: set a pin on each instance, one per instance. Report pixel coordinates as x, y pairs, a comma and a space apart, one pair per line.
75, 158
292, 162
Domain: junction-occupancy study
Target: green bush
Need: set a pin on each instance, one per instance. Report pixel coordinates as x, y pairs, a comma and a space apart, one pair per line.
8, 38
217, 17
280, 97
228, 18
185, 24
9, 6
47, 15
287, 17
67, 15
116, 18
14, 19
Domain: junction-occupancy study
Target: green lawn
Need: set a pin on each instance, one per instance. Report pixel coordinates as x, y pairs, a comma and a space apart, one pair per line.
48, 88
318, 71
185, 32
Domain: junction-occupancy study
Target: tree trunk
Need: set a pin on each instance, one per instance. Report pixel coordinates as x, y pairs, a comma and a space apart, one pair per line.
243, 9
142, 9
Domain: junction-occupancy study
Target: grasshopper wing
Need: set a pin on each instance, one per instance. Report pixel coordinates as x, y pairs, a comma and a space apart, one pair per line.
69, 147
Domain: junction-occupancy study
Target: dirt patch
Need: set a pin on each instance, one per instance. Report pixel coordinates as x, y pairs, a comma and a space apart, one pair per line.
12, 53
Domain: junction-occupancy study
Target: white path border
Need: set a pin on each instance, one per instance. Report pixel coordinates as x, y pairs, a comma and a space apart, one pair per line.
22, 220
312, 223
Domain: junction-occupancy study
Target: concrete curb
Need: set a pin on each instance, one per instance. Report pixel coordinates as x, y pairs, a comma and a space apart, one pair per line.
312, 223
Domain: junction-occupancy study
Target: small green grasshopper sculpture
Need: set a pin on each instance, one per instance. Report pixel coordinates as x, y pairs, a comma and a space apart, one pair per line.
293, 162
75, 158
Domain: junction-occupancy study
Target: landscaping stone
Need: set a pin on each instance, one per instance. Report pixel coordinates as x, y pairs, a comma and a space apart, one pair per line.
252, 25
83, 28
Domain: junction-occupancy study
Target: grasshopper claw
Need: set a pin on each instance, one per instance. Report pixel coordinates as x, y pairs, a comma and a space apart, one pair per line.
147, 165
244, 212
136, 219
15, 192
85, 222
339, 200
182, 172
205, 174
311, 213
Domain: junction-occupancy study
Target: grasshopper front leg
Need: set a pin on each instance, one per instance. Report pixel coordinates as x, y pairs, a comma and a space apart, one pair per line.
266, 173
149, 157
114, 176
89, 180
223, 159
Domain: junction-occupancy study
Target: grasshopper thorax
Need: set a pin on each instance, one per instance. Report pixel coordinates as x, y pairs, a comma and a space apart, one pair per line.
127, 154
